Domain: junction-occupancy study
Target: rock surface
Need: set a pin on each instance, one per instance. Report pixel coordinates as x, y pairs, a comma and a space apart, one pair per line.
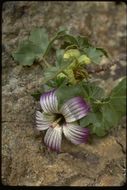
25, 159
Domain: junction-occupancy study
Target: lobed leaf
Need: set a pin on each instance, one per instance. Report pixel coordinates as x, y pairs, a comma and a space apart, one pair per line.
65, 92
27, 53
110, 112
83, 42
95, 54
33, 48
39, 37
92, 92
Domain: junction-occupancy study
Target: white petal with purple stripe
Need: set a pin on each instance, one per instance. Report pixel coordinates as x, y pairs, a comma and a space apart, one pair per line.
49, 102
53, 138
74, 109
75, 133
43, 121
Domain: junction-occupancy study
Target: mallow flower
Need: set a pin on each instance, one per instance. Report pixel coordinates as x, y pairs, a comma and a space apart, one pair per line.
63, 120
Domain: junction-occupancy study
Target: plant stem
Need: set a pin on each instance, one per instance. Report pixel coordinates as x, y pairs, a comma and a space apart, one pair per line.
45, 62
47, 50
101, 102
71, 46
49, 45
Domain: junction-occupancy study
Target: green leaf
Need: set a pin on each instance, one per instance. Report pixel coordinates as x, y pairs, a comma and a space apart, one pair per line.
77, 41
83, 42
118, 97
36, 95
59, 81
70, 39
60, 33
48, 86
65, 92
110, 112
100, 126
51, 84
27, 53
92, 92
117, 102
60, 65
52, 72
32, 49
103, 51
95, 54
39, 37
59, 56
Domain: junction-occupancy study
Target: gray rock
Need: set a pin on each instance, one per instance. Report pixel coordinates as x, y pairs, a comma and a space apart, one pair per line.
25, 159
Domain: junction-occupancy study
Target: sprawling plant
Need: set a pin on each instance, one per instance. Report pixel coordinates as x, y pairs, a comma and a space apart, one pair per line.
70, 99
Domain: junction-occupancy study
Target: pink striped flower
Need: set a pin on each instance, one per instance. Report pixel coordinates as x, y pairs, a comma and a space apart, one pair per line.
62, 120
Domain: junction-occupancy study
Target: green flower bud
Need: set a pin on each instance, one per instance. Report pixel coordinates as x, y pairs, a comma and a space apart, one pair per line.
70, 75
61, 75
71, 53
83, 59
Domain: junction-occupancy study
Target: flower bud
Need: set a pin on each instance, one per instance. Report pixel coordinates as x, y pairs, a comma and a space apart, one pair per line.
83, 59
61, 75
71, 53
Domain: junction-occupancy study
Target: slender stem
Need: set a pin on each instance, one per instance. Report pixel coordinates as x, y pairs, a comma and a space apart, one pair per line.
46, 63
57, 36
68, 47
101, 102
49, 45
41, 64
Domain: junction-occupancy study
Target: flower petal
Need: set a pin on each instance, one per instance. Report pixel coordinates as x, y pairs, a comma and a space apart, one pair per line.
75, 133
74, 109
43, 121
49, 102
53, 138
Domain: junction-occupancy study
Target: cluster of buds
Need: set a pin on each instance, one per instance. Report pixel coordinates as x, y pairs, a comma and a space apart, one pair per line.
75, 71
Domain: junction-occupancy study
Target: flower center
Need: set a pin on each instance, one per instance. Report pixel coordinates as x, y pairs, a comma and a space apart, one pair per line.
59, 120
